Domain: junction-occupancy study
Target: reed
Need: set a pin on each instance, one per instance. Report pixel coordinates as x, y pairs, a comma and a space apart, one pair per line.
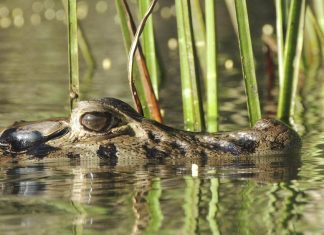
148, 44
212, 71
230, 5
291, 59
128, 30
280, 25
145, 79
316, 25
199, 35
247, 60
312, 56
83, 43
85, 49
73, 52
319, 12
191, 99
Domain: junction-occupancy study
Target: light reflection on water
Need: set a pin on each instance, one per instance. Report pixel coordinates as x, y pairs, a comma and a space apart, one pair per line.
262, 197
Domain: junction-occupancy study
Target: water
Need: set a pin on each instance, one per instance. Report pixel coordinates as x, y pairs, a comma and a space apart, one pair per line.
73, 197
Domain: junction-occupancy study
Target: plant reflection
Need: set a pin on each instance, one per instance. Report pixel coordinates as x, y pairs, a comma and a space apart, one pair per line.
91, 192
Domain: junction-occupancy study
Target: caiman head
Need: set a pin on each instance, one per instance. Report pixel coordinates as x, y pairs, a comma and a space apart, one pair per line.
90, 123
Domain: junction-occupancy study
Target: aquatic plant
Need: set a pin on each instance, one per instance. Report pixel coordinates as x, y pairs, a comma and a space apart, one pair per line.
141, 86
191, 97
212, 106
247, 59
73, 52
292, 53
149, 50
198, 58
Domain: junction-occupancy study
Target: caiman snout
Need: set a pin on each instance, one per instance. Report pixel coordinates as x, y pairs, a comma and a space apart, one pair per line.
26, 135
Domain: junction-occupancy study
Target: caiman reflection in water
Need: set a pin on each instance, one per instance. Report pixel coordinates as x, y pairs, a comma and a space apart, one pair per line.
110, 129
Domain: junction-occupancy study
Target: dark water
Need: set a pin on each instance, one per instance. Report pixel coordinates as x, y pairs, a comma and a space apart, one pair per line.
268, 196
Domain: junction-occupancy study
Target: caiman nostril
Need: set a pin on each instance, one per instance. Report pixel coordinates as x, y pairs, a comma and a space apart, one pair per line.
29, 135
4, 144
17, 140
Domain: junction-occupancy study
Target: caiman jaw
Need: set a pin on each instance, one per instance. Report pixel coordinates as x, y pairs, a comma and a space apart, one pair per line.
27, 135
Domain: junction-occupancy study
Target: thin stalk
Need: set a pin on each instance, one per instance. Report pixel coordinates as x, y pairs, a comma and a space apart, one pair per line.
199, 34
297, 62
73, 52
83, 43
286, 7
146, 81
192, 108
319, 12
230, 5
317, 27
212, 71
128, 30
85, 48
247, 59
311, 48
291, 59
141, 75
280, 16
148, 43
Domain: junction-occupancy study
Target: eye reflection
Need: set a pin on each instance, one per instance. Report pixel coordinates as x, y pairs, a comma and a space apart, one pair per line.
96, 121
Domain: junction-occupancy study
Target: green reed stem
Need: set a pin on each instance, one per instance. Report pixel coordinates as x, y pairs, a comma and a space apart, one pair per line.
199, 34
291, 59
312, 56
280, 24
73, 52
319, 12
85, 48
192, 108
230, 5
212, 71
317, 27
148, 43
247, 59
83, 43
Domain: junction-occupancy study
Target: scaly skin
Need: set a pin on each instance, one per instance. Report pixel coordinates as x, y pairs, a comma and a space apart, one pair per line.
128, 136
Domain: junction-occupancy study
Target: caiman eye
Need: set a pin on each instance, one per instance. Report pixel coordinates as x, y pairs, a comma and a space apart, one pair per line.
96, 121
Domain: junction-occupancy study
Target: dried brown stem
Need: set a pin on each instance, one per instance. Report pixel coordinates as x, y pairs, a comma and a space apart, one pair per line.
145, 77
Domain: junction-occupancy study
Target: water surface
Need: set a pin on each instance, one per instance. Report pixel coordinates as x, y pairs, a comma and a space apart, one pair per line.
268, 196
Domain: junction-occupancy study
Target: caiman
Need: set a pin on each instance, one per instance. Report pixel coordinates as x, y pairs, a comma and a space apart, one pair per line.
110, 129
